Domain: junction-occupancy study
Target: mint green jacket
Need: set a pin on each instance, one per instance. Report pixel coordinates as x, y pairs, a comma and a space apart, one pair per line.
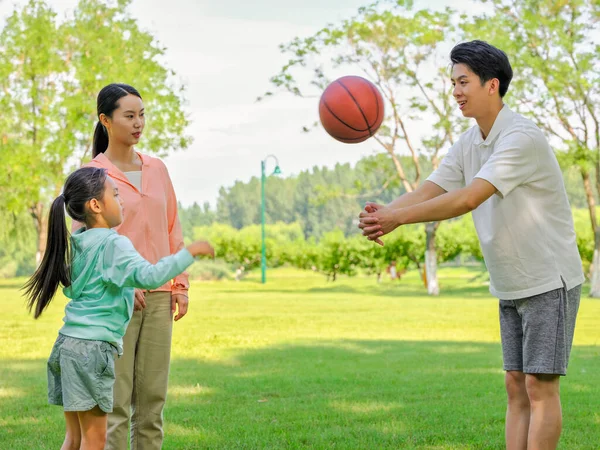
105, 269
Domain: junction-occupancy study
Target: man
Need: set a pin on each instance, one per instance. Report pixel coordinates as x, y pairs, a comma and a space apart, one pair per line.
504, 171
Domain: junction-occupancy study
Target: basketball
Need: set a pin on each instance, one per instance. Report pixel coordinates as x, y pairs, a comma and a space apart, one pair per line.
351, 109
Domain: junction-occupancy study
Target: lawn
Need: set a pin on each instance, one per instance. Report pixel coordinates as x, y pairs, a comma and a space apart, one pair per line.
303, 363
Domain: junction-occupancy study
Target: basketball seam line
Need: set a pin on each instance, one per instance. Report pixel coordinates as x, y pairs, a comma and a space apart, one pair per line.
349, 126
357, 105
375, 93
340, 138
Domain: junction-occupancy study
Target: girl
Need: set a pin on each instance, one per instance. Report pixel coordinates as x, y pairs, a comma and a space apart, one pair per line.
99, 272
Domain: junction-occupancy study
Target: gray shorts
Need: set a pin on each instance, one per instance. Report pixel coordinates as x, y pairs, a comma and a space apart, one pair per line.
81, 374
537, 332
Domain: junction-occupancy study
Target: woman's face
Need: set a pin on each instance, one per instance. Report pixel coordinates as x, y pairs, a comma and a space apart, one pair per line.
127, 122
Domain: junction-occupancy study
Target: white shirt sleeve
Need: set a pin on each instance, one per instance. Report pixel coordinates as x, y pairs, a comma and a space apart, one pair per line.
513, 162
450, 173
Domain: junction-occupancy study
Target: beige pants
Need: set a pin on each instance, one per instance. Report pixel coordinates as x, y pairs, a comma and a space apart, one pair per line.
142, 374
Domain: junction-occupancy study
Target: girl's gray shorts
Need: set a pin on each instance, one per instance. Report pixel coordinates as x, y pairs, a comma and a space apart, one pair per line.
81, 374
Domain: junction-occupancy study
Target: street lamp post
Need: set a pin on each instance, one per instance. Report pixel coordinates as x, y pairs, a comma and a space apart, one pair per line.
263, 179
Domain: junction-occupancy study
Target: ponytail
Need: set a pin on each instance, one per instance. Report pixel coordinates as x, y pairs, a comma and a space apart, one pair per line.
54, 268
100, 140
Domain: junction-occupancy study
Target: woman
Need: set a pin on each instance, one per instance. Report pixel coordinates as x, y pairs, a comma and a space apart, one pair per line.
152, 224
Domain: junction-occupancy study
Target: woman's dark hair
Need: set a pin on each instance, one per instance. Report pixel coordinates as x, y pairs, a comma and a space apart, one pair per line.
485, 61
108, 101
81, 186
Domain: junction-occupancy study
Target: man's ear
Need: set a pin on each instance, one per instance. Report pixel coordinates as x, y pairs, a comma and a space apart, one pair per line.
494, 86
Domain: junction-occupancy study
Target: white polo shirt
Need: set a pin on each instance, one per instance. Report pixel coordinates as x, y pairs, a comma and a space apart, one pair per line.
526, 230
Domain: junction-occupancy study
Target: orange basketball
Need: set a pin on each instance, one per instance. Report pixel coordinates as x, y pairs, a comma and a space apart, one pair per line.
351, 109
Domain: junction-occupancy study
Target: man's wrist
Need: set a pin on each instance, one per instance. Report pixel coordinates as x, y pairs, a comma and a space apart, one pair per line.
399, 216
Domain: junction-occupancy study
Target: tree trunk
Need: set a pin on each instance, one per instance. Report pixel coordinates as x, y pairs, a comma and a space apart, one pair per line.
431, 259
595, 266
41, 226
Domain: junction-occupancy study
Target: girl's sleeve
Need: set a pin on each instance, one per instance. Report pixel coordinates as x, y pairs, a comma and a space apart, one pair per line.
123, 266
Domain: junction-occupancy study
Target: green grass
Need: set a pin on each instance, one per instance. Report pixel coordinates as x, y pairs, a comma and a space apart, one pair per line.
302, 363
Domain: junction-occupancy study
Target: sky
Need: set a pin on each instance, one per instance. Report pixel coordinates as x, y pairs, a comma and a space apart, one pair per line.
225, 52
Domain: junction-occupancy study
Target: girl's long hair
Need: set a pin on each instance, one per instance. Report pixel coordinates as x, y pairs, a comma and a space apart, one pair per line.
81, 186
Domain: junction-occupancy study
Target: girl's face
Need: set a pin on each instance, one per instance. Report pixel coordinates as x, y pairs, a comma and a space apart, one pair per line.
113, 204
127, 122
108, 211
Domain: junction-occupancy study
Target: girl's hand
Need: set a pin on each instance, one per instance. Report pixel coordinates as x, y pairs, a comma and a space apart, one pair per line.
201, 248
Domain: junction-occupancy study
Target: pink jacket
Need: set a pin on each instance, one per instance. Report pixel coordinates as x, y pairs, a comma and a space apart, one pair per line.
150, 217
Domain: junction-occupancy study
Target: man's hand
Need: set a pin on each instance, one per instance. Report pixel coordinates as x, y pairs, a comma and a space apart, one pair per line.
376, 221
371, 207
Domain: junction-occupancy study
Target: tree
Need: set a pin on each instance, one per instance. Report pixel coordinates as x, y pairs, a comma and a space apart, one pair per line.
194, 216
17, 245
398, 50
320, 199
371, 258
31, 71
243, 247
51, 74
336, 256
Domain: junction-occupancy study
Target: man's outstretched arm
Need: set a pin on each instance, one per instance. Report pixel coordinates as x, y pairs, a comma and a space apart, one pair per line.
442, 207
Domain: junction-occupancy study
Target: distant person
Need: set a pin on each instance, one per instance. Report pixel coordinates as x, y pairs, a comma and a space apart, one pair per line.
393, 271
504, 171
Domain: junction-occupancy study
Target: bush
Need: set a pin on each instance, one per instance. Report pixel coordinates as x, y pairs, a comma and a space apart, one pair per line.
8, 268
585, 237
209, 271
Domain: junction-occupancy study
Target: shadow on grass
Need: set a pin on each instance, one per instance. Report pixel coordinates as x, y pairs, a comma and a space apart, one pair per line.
399, 290
12, 285
346, 394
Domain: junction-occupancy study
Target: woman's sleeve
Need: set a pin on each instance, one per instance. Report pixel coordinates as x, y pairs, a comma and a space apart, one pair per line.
180, 283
